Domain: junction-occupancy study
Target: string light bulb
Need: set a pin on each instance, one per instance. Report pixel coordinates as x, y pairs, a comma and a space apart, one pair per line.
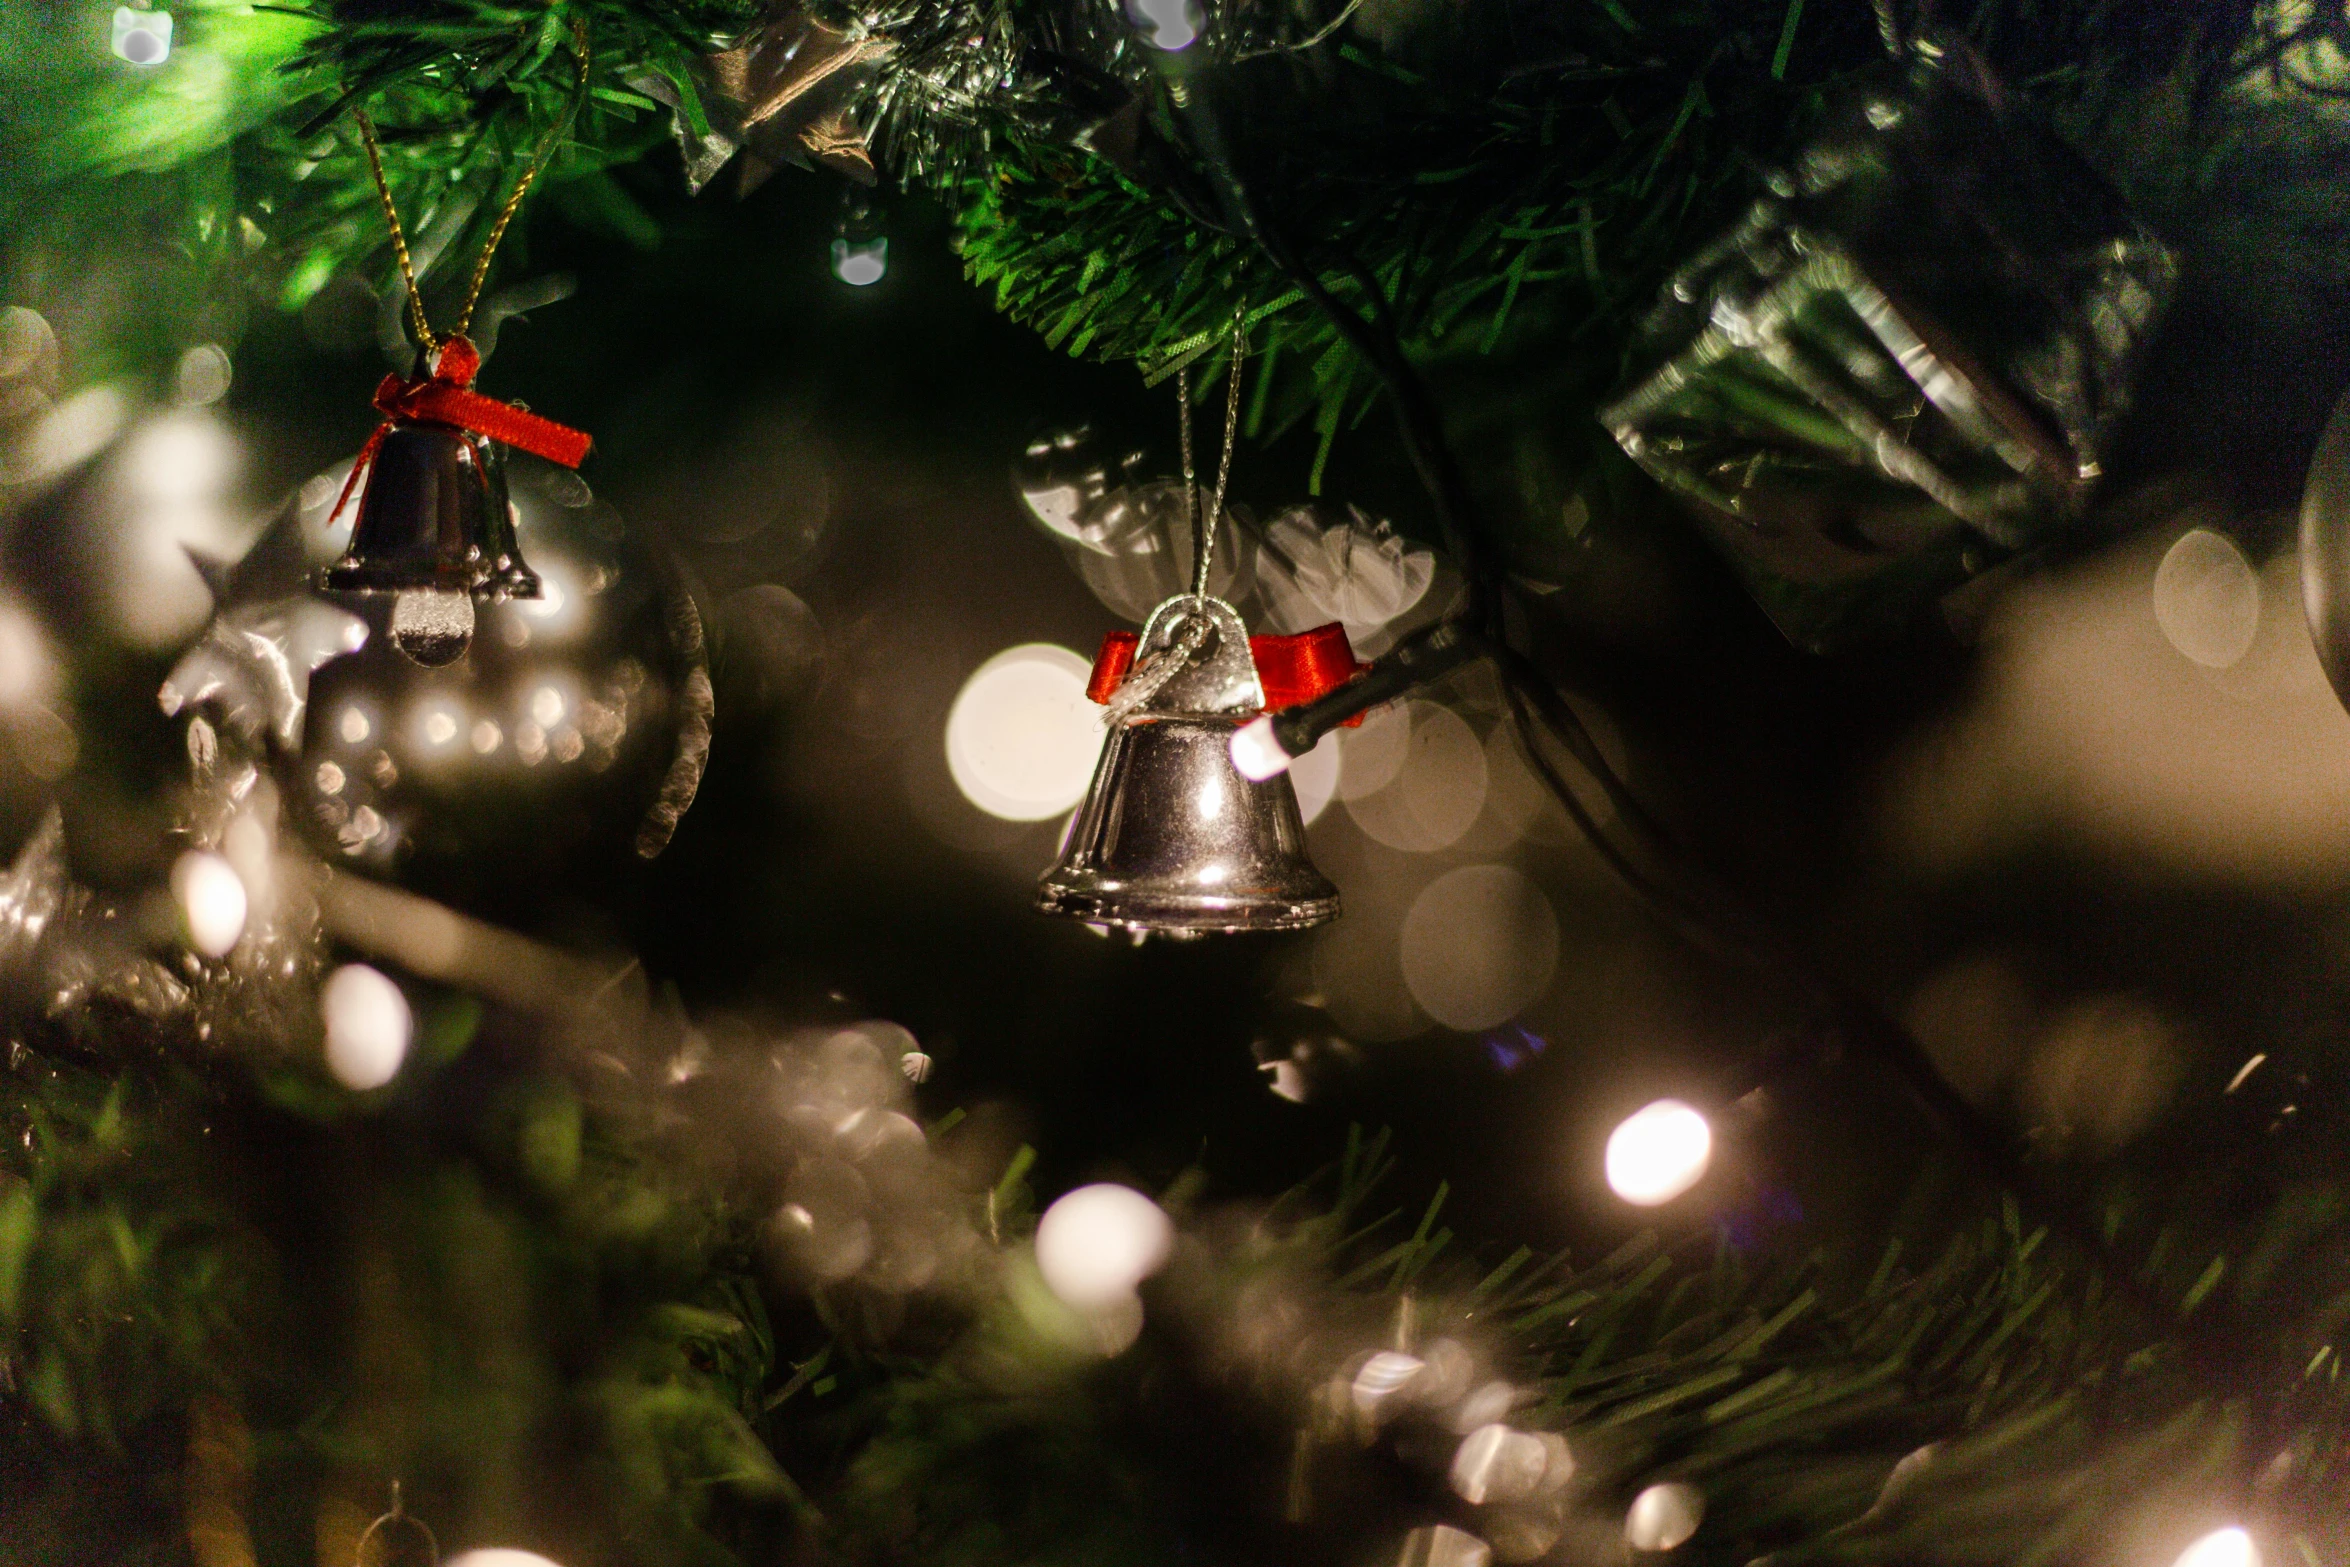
1257, 752
860, 251
212, 902
1169, 25
1659, 1152
142, 38
1096, 1244
2229, 1547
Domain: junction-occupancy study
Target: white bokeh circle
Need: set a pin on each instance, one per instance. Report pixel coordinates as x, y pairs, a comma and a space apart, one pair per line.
1096, 1244
1022, 737
1478, 946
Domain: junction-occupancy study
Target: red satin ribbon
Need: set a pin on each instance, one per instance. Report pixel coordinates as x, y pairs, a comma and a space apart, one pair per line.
446, 396
1292, 669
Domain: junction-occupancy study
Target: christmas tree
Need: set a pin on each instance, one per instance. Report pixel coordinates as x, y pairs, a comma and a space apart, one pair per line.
1705, 840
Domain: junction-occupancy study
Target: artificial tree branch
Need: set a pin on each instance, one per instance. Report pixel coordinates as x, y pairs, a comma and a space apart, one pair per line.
1699, 908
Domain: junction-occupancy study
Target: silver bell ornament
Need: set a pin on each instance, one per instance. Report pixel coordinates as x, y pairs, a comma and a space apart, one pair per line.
1171, 838
2325, 550
435, 529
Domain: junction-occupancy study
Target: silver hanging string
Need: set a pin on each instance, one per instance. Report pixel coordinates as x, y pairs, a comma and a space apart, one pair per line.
1203, 530
1153, 672
1190, 480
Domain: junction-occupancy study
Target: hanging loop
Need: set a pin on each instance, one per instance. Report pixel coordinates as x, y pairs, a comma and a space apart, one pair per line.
396, 1519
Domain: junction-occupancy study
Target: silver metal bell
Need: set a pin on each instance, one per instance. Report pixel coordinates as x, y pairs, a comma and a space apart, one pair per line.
1171, 838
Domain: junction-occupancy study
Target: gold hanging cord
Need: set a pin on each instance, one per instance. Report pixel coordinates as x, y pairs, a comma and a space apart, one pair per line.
481, 267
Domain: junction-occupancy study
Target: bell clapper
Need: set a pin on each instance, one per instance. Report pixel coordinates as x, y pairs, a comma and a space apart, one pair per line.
432, 626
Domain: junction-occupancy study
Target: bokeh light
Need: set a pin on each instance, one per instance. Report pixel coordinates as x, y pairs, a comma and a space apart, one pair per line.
1659, 1152
2229, 1547
501, 1556
1135, 551
1096, 1244
2106, 1068
203, 375
1355, 960
1374, 753
27, 671
1022, 738
142, 37
1663, 1517
368, 1026
825, 1221
1321, 564
31, 363
171, 488
1441, 1545
1433, 784
1315, 778
2207, 599
1381, 1379
212, 902
1497, 1464
2087, 727
1479, 945
437, 726
1168, 24
860, 263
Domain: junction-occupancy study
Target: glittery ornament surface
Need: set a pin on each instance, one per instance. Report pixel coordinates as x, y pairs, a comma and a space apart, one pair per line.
432, 628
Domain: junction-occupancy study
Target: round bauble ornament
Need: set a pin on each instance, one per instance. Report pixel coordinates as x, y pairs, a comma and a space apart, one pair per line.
1127, 536
569, 734
575, 723
1139, 552
2325, 550
1316, 564
1066, 479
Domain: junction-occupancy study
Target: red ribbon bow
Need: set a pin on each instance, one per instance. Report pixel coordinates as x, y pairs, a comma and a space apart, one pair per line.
1292, 669
446, 396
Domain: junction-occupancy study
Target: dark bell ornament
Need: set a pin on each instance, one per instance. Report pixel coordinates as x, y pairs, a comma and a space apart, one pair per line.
1905, 365
2325, 550
1171, 838
435, 529
435, 525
